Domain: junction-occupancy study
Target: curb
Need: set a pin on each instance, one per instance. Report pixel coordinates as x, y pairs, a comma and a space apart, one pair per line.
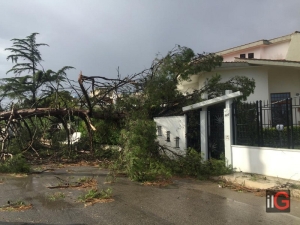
295, 193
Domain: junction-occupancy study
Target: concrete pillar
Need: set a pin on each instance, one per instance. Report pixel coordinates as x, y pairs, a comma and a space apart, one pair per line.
203, 133
228, 130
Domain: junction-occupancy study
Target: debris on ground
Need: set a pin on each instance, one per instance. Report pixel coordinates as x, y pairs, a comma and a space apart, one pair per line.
159, 183
241, 188
15, 206
86, 182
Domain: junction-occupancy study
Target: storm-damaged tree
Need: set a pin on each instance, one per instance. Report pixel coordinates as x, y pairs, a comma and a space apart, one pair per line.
156, 91
35, 92
29, 75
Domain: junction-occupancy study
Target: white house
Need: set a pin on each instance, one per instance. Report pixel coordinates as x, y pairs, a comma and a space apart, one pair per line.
274, 64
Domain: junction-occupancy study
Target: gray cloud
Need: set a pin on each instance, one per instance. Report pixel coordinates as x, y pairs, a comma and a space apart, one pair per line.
98, 36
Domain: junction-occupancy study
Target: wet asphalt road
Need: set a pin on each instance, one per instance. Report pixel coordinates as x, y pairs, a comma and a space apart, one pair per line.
187, 201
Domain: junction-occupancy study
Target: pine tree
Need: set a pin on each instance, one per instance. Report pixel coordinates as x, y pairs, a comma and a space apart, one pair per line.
29, 75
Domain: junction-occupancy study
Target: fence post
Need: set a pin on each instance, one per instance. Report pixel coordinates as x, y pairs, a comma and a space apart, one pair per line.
287, 122
257, 124
203, 133
261, 124
234, 128
228, 130
291, 122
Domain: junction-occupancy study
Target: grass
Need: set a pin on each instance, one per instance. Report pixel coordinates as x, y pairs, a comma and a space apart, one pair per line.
253, 177
111, 177
93, 196
56, 196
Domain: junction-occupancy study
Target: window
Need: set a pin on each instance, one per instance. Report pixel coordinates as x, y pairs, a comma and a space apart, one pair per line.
275, 97
159, 130
242, 56
250, 55
177, 142
168, 136
279, 108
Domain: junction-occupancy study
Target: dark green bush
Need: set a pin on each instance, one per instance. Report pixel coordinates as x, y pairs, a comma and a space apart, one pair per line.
141, 156
17, 164
194, 165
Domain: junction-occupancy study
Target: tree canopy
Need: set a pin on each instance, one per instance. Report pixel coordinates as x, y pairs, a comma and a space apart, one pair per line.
123, 103
30, 81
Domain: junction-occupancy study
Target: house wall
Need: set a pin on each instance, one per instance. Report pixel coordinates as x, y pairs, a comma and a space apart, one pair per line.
187, 87
177, 127
283, 163
260, 75
284, 80
231, 57
273, 51
293, 52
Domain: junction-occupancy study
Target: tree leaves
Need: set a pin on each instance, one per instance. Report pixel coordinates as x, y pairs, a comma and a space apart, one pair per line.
28, 87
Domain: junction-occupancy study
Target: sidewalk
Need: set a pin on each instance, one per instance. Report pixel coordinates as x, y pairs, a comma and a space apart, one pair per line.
257, 181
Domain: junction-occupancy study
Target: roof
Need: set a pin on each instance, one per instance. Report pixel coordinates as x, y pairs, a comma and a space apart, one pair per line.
268, 62
257, 43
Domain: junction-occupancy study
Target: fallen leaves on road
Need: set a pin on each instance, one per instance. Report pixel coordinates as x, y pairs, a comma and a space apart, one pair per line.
17, 206
159, 183
241, 188
93, 201
86, 182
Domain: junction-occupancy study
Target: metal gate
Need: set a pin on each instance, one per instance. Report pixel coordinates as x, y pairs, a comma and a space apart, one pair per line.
193, 130
215, 123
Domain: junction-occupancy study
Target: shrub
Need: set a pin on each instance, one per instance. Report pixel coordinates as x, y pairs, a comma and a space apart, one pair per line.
141, 156
194, 165
17, 164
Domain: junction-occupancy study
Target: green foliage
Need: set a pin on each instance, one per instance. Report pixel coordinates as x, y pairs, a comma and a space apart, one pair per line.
17, 164
194, 165
140, 151
35, 80
56, 196
107, 132
95, 194
216, 87
274, 138
26, 49
57, 99
158, 95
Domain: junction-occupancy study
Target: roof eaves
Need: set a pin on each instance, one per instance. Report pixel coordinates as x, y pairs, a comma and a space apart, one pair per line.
256, 43
242, 47
269, 62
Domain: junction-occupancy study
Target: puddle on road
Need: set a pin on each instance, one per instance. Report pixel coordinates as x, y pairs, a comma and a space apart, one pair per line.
29, 183
45, 202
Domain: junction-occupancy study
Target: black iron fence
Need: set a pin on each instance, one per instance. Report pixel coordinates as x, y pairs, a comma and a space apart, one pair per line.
264, 124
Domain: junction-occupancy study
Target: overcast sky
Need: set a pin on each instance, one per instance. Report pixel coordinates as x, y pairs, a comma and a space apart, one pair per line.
97, 36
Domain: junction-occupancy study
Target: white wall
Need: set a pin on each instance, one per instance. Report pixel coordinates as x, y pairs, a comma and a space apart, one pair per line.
260, 75
282, 79
188, 85
177, 127
283, 163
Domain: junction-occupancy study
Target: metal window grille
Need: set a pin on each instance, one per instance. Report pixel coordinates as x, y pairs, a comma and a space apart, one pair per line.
159, 130
177, 142
279, 108
250, 55
168, 136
